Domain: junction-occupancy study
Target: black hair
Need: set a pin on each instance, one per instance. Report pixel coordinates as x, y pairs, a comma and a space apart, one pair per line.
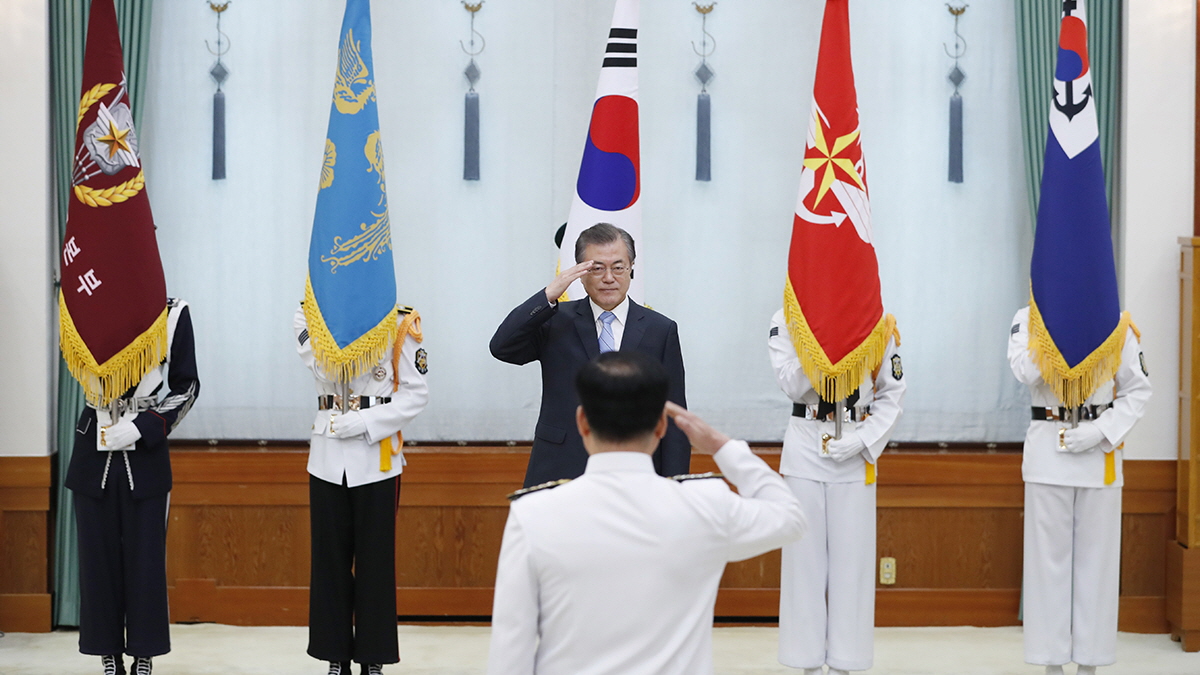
623, 394
603, 233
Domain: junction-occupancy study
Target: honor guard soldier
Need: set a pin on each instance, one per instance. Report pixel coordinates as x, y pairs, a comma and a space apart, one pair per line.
827, 579
616, 572
354, 466
1073, 477
120, 474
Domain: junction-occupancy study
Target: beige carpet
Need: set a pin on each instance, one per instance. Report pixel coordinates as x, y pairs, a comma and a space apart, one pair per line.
211, 649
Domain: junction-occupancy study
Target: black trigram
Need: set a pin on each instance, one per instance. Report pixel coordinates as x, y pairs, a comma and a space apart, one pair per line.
622, 48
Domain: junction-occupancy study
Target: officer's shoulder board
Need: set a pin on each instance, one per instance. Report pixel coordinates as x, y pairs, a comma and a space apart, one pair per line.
537, 488
173, 302
404, 309
696, 476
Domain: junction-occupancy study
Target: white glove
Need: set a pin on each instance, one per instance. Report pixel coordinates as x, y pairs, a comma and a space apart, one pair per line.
846, 447
348, 424
120, 436
1085, 437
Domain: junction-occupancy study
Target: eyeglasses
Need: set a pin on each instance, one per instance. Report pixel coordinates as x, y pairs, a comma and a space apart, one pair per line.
618, 270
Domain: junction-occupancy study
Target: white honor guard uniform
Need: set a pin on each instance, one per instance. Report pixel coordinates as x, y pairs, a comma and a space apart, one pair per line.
1073, 510
616, 572
827, 579
354, 462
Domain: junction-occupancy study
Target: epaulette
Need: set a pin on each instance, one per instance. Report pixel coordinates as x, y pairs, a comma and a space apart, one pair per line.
404, 309
696, 476
535, 488
172, 302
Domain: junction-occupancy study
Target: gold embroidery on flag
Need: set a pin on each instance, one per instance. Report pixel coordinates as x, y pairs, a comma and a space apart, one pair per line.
835, 381
108, 196
103, 382
330, 161
353, 88
90, 98
1073, 386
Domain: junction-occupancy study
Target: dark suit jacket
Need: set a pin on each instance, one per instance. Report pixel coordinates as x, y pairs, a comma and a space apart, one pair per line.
150, 462
563, 338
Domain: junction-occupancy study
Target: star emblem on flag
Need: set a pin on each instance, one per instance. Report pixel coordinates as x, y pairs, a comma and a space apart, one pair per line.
836, 162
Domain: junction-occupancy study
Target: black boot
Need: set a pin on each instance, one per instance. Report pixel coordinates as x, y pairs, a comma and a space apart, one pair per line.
141, 665
371, 669
339, 668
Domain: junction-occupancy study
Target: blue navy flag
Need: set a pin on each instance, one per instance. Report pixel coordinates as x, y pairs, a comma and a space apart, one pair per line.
1076, 326
350, 299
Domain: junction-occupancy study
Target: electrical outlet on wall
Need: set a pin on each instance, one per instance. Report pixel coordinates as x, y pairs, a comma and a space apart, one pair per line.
887, 571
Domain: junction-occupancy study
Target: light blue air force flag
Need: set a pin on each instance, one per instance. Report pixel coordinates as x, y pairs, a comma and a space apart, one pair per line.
350, 299
1076, 326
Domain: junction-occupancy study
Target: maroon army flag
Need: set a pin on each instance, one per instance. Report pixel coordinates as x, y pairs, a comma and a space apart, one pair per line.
113, 300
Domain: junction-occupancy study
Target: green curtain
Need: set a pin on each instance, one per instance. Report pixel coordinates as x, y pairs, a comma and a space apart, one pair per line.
68, 33
1037, 51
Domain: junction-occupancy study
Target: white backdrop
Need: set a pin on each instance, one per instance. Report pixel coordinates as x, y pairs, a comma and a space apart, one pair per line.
953, 258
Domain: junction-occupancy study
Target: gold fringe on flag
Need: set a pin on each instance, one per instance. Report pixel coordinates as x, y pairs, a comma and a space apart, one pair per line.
104, 382
835, 381
1075, 385
356, 358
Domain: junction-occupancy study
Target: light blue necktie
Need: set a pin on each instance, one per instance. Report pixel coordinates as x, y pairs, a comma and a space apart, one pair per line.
607, 342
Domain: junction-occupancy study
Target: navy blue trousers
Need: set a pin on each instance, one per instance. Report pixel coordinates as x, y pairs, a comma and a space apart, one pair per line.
122, 570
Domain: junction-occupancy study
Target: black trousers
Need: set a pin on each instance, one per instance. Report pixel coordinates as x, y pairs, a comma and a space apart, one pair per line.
352, 598
122, 570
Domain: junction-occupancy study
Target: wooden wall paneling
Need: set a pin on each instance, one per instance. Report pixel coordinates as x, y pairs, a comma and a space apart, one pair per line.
24, 544
238, 544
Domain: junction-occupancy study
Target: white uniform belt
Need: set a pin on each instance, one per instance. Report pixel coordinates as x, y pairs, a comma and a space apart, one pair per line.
809, 412
135, 404
356, 402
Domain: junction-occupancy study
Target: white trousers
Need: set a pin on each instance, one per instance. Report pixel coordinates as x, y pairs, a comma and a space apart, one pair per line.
827, 579
1072, 574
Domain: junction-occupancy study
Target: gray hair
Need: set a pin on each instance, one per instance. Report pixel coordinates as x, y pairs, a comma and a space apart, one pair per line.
603, 233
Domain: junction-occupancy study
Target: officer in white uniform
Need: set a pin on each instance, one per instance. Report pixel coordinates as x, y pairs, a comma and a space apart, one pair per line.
827, 579
354, 462
616, 572
1073, 511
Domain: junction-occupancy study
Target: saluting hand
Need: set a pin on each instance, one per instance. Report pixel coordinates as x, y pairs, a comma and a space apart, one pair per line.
565, 278
705, 439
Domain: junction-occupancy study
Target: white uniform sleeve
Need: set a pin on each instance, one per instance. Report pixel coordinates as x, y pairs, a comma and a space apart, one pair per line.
764, 515
513, 649
784, 360
408, 401
1133, 392
886, 405
1018, 350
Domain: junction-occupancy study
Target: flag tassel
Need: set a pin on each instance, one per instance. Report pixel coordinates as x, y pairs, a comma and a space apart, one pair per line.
471, 137
836, 381
1074, 385
703, 137
346, 363
104, 382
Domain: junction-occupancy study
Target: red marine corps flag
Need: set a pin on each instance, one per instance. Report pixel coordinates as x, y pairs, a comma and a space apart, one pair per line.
113, 300
831, 302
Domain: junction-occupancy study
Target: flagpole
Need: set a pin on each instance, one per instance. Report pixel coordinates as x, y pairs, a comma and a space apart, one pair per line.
839, 411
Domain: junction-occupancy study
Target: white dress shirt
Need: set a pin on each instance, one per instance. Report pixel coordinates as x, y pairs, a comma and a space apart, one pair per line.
616, 572
357, 458
1130, 391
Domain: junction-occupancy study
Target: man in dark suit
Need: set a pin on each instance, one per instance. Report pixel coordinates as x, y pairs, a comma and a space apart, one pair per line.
566, 335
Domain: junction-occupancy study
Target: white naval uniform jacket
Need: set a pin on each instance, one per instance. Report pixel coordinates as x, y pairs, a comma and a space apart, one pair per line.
357, 458
616, 572
802, 456
1042, 462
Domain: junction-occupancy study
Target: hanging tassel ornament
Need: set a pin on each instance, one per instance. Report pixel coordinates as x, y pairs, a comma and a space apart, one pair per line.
956, 78
219, 74
705, 74
471, 103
